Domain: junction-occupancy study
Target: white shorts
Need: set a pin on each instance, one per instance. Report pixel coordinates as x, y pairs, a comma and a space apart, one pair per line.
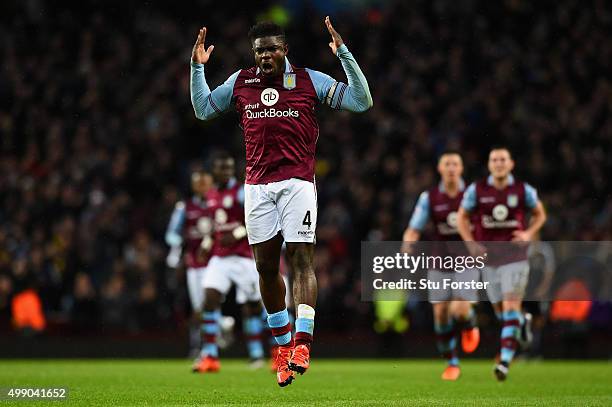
506, 280
195, 287
288, 206
223, 271
443, 294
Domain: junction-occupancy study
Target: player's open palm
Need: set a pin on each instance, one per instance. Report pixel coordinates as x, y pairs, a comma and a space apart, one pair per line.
336, 39
201, 54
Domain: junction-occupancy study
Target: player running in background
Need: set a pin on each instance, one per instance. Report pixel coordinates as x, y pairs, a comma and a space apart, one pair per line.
499, 207
190, 225
231, 262
453, 311
276, 103
542, 265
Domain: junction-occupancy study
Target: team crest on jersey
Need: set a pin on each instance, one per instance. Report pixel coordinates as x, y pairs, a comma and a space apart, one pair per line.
228, 201
512, 200
500, 212
289, 81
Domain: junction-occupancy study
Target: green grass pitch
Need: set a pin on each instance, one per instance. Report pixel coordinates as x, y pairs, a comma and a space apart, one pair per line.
327, 383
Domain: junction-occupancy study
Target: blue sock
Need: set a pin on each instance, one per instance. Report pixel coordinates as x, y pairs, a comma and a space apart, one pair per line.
446, 342
304, 325
280, 327
253, 327
210, 330
510, 332
264, 319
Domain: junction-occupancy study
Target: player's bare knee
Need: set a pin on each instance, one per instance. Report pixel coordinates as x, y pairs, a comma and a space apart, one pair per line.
441, 311
251, 308
460, 308
212, 301
267, 268
511, 305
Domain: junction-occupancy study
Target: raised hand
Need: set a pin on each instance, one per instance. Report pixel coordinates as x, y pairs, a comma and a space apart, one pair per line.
201, 55
336, 41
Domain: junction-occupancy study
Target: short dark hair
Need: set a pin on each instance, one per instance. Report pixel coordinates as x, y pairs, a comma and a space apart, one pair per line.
449, 152
221, 155
501, 147
266, 29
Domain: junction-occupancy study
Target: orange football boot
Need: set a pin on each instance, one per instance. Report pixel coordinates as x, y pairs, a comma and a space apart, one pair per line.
451, 373
300, 361
470, 338
207, 364
273, 352
284, 375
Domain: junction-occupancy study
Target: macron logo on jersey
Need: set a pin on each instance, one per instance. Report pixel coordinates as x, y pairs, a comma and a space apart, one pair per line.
254, 80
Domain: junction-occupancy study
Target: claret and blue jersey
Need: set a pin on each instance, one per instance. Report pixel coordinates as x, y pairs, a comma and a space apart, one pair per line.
277, 114
190, 222
499, 212
437, 205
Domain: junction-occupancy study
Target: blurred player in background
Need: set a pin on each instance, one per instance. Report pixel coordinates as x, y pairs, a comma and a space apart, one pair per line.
453, 311
231, 262
191, 226
276, 104
500, 206
542, 265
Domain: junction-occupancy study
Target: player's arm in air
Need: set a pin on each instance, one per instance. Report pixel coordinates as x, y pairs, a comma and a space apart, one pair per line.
174, 239
420, 217
464, 227
356, 95
538, 216
206, 104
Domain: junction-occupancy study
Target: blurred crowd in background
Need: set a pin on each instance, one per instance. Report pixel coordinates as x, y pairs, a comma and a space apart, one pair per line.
98, 136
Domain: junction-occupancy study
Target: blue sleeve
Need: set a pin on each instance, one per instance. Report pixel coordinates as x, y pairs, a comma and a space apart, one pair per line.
531, 196
322, 84
240, 195
207, 104
469, 198
420, 216
173, 232
354, 97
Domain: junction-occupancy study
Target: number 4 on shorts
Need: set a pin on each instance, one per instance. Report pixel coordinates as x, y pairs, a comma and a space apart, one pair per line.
307, 221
